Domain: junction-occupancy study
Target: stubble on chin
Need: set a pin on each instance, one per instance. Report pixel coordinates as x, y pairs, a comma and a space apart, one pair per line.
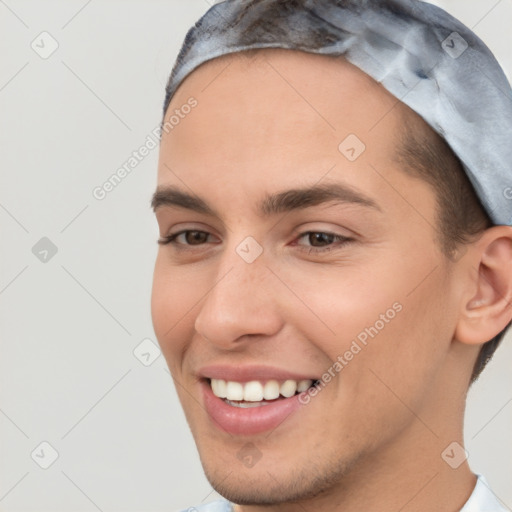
265, 486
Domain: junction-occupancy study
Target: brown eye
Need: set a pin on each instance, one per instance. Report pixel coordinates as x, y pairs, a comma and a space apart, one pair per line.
195, 237
189, 237
320, 241
316, 238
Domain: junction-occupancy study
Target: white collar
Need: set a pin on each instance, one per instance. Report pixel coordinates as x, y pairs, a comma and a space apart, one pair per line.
482, 499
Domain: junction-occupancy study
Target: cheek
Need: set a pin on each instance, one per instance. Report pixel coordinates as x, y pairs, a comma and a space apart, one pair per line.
339, 305
378, 316
391, 341
172, 299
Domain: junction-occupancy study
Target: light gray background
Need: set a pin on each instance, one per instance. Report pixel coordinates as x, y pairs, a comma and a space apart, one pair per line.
69, 326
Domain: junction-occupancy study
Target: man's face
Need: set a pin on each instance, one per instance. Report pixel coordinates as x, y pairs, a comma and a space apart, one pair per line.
378, 300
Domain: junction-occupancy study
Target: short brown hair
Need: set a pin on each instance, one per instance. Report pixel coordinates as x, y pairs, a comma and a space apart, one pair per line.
460, 215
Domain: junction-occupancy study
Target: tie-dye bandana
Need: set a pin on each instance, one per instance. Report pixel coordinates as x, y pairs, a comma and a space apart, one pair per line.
422, 55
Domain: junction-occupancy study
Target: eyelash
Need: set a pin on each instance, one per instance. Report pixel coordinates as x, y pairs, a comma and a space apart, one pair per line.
343, 240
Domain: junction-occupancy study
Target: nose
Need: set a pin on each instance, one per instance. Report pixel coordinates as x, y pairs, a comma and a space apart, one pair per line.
242, 300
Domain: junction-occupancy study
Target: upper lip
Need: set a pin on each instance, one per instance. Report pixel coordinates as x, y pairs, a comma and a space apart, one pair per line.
249, 373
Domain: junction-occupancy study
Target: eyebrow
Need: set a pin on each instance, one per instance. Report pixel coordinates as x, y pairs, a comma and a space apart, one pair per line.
271, 204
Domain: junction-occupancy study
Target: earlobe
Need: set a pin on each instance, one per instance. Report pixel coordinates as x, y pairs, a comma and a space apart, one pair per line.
488, 309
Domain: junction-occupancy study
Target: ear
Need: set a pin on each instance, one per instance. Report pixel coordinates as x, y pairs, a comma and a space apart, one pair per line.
487, 306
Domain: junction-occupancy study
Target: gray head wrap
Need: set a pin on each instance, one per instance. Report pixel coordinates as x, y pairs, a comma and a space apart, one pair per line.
418, 52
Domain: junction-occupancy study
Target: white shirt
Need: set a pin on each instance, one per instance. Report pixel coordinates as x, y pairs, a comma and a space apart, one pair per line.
482, 499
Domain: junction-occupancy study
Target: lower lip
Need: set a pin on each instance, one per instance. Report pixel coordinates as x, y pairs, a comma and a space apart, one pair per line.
251, 420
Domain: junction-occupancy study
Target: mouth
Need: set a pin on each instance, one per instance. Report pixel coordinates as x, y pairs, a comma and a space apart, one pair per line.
257, 393
255, 406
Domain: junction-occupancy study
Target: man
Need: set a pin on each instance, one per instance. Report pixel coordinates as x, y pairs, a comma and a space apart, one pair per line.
335, 266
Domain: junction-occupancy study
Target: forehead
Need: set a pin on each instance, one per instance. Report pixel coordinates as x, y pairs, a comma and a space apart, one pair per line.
303, 72
284, 96
275, 118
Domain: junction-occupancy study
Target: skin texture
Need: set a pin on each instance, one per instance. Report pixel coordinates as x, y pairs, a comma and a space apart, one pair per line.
372, 438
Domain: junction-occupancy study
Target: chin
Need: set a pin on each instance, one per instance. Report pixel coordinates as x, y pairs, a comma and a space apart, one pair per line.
268, 483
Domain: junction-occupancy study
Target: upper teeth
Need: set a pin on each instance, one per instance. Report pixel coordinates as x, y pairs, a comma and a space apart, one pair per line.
254, 391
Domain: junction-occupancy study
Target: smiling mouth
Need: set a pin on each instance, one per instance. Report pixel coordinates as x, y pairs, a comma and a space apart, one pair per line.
257, 393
